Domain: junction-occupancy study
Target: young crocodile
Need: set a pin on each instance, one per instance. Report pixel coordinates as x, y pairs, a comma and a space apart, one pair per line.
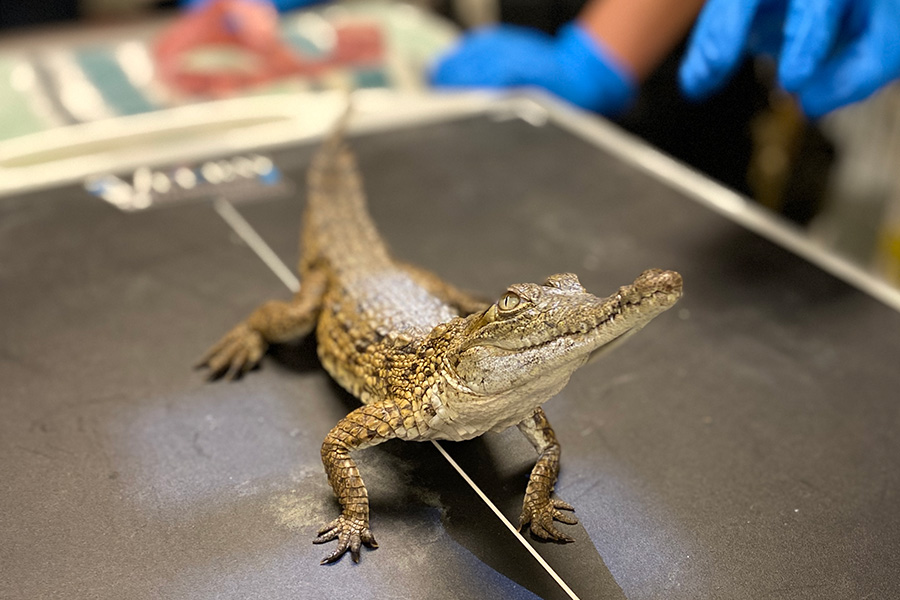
428, 361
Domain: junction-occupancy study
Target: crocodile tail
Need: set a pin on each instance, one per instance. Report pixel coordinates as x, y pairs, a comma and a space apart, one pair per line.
335, 138
337, 221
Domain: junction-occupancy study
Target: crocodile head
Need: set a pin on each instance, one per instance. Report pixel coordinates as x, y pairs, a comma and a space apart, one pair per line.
535, 336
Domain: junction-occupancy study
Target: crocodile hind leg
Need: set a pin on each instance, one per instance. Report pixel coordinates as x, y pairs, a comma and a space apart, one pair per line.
539, 509
275, 321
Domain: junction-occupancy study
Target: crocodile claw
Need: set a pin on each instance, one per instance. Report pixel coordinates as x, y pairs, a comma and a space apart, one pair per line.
351, 533
540, 513
236, 353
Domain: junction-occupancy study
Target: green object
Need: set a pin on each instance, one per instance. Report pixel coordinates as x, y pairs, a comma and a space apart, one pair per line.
105, 72
17, 112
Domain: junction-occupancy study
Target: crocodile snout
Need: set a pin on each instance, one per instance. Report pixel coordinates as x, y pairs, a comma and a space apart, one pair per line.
654, 281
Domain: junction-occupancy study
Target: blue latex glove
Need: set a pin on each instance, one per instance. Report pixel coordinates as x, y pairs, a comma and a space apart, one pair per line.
829, 52
571, 65
281, 5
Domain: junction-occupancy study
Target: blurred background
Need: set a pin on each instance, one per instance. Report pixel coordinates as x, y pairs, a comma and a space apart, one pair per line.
64, 62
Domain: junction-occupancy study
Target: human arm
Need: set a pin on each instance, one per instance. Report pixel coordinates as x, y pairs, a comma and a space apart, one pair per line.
639, 33
595, 62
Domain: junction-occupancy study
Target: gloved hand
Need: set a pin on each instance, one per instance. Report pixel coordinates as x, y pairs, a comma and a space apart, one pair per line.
571, 65
281, 5
829, 52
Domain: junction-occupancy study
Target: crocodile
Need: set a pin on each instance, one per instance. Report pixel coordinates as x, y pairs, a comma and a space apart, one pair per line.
427, 360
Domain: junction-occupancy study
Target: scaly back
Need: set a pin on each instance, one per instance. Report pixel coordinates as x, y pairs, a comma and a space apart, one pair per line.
340, 236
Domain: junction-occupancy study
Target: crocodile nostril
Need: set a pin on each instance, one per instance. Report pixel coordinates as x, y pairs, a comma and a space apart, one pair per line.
657, 280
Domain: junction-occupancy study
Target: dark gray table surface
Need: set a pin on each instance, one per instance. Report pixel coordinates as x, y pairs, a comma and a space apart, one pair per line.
744, 445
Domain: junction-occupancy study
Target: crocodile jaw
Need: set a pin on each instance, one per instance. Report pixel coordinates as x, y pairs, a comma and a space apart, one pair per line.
536, 351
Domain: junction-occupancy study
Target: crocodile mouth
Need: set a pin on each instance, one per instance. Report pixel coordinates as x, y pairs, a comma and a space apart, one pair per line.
571, 336
623, 310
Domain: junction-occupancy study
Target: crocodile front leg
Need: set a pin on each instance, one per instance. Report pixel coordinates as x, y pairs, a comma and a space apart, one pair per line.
242, 348
539, 509
366, 426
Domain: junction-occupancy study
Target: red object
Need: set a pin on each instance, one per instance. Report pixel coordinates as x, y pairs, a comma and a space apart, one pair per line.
253, 27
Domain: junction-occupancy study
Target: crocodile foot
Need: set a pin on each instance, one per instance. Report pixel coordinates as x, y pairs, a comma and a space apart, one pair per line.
350, 532
236, 353
540, 513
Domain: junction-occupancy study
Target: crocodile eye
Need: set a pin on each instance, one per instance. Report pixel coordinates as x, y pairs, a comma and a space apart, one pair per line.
509, 301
